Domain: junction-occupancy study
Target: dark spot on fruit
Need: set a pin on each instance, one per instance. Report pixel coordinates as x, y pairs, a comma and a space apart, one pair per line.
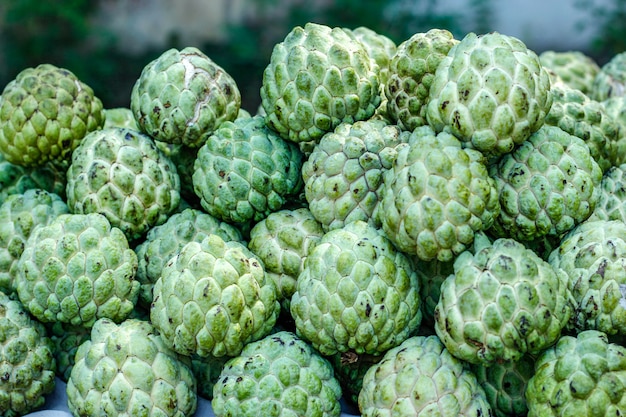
239, 379
167, 105
221, 174
156, 110
444, 104
128, 136
368, 310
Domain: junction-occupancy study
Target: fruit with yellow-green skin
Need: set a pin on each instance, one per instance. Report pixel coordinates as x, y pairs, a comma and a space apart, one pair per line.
574, 68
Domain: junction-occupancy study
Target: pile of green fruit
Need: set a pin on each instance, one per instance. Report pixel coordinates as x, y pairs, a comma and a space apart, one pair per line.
431, 228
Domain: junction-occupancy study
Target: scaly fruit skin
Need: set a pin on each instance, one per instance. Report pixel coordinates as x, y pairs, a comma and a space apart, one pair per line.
491, 92
612, 202
356, 292
16, 179
120, 117
245, 171
505, 385
616, 109
207, 371
611, 79
213, 298
547, 186
317, 78
279, 375
282, 241
436, 196
27, 363
165, 241
574, 68
121, 174
126, 370
182, 96
77, 269
583, 375
343, 176
20, 214
594, 257
45, 112
420, 377
66, 340
412, 70
501, 303
587, 119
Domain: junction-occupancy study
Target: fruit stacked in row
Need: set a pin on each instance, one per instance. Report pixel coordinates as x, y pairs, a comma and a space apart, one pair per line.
432, 227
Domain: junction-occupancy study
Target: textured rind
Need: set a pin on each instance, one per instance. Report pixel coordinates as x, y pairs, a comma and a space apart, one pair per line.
77, 269
574, 68
610, 81
282, 241
547, 186
594, 257
501, 303
66, 340
356, 292
612, 201
491, 92
20, 214
213, 298
420, 377
16, 179
120, 117
182, 96
27, 363
412, 70
616, 109
45, 112
279, 375
580, 375
436, 196
343, 175
245, 171
120, 173
317, 78
126, 370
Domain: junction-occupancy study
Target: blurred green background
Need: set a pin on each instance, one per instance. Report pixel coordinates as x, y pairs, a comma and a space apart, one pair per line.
106, 43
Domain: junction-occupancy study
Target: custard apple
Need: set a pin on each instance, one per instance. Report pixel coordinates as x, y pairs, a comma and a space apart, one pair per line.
120, 117
45, 112
576, 69
66, 339
610, 81
183, 96
277, 376
16, 179
612, 201
490, 91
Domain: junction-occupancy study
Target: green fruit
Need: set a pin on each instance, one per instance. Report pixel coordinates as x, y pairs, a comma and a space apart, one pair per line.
610, 81
20, 214
77, 269
16, 179
279, 375
126, 370
66, 340
120, 173
491, 92
436, 196
245, 171
45, 112
582, 375
616, 109
213, 298
547, 186
502, 302
120, 117
420, 377
183, 96
612, 201
356, 292
27, 363
574, 68
318, 77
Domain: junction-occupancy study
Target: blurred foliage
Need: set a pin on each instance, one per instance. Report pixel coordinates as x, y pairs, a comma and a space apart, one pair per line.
609, 23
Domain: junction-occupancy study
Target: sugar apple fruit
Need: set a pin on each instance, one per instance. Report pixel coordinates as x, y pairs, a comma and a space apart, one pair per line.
317, 78
436, 196
548, 185
77, 269
612, 201
610, 81
213, 298
412, 70
126, 370
120, 173
279, 376
207, 371
594, 257
66, 339
120, 117
45, 112
20, 214
502, 302
615, 108
575, 68
17, 179
582, 375
356, 292
282, 241
490, 91
420, 377
343, 175
165, 241
27, 362
245, 171
182, 96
